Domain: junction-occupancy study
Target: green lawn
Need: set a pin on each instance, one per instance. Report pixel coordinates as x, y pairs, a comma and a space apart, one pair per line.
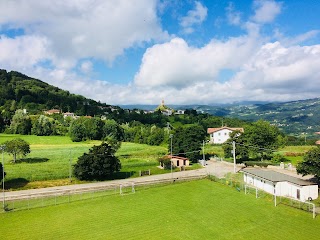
51, 157
192, 210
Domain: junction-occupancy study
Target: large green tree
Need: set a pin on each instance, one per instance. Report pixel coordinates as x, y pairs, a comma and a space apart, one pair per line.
44, 126
187, 141
99, 164
242, 152
262, 139
17, 147
310, 163
113, 130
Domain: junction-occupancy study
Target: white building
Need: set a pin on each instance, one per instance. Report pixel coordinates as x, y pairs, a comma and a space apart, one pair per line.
281, 184
220, 135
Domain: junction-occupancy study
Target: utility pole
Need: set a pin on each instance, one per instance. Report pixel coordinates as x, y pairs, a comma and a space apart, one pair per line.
234, 156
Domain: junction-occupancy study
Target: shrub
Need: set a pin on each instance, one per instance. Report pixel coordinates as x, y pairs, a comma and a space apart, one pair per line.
278, 158
165, 162
99, 164
256, 163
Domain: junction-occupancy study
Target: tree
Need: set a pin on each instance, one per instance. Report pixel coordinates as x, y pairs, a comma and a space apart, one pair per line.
77, 130
310, 163
1, 168
17, 147
99, 164
43, 126
242, 152
187, 141
112, 129
21, 123
93, 128
1, 172
262, 138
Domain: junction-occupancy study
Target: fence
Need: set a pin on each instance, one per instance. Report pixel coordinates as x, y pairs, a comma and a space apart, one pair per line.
239, 185
56, 197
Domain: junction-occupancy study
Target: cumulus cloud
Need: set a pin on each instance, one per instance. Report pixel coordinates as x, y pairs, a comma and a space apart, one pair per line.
81, 29
194, 17
62, 39
23, 51
266, 10
178, 65
263, 71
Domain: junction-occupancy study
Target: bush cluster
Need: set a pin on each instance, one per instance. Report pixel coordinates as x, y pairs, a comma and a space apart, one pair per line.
256, 163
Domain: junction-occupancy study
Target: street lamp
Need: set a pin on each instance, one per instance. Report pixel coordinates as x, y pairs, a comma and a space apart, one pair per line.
3, 194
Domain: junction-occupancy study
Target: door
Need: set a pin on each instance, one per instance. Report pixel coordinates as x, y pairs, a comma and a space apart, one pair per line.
298, 194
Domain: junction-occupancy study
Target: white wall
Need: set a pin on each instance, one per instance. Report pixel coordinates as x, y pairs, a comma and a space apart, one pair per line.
220, 136
285, 189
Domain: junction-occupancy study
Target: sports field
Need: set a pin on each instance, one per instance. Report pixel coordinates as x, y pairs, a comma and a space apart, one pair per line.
193, 210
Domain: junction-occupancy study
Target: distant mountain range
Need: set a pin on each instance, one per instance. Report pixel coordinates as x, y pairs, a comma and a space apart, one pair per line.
299, 118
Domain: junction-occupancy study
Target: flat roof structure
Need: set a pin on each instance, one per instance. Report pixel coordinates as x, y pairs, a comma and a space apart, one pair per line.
274, 177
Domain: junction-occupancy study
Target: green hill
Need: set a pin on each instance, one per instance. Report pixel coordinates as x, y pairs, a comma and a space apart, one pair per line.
18, 91
297, 118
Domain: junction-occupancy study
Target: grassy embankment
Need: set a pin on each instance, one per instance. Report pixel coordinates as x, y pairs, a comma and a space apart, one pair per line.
50, 159
193, 210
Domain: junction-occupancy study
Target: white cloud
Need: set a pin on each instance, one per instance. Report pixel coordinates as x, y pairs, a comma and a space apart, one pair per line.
299, 39
23, 51
178, 65
233, 16
82, 29
194, 17
86, 67
266, 10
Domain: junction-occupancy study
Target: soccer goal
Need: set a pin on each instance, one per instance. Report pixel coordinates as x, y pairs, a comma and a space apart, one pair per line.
295, 203
127, 189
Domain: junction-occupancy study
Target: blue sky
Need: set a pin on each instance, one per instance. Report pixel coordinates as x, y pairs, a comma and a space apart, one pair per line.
185, 52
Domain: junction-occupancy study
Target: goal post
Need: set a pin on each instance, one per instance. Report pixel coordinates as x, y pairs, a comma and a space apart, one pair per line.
127, 189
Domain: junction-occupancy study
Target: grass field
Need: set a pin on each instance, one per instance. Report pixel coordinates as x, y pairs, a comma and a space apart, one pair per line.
192, 210
51, 158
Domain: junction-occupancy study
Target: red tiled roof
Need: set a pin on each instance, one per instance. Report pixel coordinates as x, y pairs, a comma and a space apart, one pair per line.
212, 130
177, 157
53, 111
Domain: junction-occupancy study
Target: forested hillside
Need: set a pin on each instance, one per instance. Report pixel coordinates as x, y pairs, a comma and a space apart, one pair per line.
18, 91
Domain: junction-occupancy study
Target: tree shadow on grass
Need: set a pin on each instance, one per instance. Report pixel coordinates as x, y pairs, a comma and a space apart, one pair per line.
15, 183
32, 160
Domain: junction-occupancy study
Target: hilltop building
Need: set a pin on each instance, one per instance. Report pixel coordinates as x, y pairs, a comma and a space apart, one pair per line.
165, 110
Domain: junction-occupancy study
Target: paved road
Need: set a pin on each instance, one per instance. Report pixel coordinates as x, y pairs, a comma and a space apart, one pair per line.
215, 168
218, 169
